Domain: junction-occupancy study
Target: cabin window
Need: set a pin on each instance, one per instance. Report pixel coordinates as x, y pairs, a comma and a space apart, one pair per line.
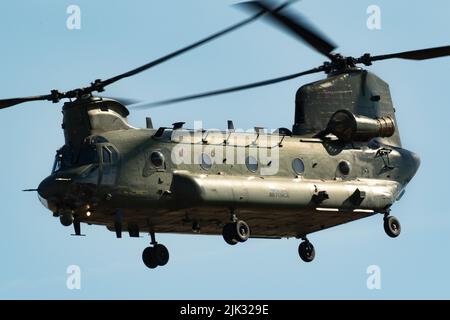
157, 159
298, 166
205, 161
251, 163
344, 167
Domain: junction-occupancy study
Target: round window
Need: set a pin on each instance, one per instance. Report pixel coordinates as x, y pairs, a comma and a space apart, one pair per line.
344, 167
157, 159
298, 166
251, 163
205, 161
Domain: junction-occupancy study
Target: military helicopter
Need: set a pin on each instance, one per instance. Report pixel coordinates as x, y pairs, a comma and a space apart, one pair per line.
342, 160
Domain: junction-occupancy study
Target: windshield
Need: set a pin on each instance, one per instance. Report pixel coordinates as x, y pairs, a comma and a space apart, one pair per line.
57, 163
88, 154
67, 157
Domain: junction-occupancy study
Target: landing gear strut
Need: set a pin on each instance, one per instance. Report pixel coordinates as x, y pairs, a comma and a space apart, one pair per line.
391, 226
156, 255
235, 232
306, 251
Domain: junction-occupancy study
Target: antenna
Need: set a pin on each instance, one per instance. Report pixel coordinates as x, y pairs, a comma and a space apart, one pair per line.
177, 125
230, 126
258, 130
149, 123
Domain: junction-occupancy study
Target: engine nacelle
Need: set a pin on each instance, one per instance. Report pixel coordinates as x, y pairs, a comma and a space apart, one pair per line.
351, 127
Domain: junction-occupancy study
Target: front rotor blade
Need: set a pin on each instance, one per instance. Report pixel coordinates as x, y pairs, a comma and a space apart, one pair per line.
99, 85
227, 90
123, 100
423, 54
199, 43
6, 103
295, 24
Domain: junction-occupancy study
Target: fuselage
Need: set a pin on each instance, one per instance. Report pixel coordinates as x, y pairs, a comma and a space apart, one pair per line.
171, 180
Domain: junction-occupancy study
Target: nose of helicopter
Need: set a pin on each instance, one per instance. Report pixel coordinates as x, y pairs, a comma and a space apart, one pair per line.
62, 182
53, 187
72, 187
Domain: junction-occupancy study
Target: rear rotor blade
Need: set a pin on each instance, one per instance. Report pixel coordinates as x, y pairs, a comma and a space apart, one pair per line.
227, 90
423, 54
295, 24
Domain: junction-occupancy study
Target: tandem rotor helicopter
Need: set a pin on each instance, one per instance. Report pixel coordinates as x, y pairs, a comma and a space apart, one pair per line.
342, 160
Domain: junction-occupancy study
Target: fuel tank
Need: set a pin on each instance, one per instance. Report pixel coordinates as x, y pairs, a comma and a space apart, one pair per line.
239, 191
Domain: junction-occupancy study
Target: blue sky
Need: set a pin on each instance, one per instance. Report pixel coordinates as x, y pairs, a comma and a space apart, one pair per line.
39, 53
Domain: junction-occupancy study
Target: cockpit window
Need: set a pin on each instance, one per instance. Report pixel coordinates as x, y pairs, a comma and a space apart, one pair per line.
87, 155
106, 155
114, 155
57, 163
67, 157
110, 155
63, 159
97, 139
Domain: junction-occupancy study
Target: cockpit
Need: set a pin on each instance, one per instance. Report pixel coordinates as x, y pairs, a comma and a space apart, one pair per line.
95, 150
66, 157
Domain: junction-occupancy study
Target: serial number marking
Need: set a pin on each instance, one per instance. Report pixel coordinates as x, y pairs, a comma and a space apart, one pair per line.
278, 193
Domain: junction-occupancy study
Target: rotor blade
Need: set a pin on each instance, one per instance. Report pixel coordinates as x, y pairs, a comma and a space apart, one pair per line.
98, 85
295, 24
423, 54
176, 53
227, 90
123, 100
6, 103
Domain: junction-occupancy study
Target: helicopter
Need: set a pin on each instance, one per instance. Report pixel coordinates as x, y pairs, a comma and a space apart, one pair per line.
342, 161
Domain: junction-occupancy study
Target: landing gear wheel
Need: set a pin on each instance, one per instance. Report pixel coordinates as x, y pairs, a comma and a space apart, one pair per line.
160, 255
392, 226
242, 231
228, 234
306, 251
235, 232
66, 219
148, 258
157, 255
